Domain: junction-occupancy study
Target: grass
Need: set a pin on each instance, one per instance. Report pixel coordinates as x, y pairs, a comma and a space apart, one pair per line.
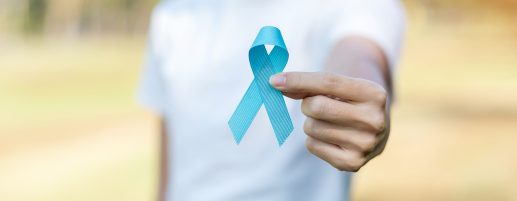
69, 127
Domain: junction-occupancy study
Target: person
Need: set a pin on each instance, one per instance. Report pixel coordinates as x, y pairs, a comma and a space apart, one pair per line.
337, 83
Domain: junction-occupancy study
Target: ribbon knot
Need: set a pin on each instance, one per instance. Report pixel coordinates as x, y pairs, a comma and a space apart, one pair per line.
260, 92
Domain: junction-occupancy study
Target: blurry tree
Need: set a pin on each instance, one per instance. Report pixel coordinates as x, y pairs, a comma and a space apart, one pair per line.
35, 18
76, 17
79, 17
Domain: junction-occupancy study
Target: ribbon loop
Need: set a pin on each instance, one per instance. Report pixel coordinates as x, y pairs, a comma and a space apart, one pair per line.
260, 92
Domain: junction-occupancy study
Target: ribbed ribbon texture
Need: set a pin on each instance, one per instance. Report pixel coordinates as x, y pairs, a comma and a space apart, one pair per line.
260, 92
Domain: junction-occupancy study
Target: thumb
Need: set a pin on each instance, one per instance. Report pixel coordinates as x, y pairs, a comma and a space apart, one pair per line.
328, 84
298, 82
279, 82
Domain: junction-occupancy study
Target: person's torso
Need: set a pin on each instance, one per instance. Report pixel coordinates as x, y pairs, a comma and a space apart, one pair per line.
204, 62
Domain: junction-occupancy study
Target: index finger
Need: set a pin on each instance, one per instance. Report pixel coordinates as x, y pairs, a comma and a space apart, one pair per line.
322, 83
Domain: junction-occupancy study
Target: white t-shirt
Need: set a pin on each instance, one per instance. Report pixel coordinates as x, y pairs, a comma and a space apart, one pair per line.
197, 70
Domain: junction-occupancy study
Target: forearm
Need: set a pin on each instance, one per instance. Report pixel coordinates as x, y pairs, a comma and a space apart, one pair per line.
360, 58
163, 161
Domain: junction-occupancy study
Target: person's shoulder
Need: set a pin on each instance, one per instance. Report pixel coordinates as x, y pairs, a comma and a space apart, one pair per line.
167, 13
168, 9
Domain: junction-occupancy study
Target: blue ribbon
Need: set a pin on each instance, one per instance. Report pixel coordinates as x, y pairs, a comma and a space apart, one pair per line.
260, 91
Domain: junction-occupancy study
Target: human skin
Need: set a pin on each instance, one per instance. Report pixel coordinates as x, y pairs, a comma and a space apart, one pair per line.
347, 106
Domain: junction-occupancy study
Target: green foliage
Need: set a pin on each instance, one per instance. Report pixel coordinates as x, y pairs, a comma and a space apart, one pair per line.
35, 18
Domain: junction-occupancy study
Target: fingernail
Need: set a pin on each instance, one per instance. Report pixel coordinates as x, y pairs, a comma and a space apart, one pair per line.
278, 80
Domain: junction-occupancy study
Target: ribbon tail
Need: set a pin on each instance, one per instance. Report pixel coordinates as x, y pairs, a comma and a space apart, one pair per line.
245, 112
279, 117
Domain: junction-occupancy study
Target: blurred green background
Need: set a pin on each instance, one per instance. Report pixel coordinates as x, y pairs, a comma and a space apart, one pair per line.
71, 130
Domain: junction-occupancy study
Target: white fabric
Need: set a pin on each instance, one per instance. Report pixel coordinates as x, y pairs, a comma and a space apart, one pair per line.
197, 71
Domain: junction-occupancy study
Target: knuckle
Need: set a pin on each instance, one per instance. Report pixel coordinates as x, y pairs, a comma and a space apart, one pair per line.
368, 144
331, 81
356, 164
310, 144
378, 121
308, 126
357, 84
380, 95
310, 106
341, 164
349, 165
319, 106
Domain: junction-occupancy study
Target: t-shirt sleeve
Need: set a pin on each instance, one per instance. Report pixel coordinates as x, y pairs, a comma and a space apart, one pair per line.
151, 91
381, 21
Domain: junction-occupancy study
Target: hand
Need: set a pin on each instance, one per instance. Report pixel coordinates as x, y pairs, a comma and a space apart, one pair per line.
347, 121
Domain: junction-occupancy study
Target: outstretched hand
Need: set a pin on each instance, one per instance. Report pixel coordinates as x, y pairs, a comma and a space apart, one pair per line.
347, 122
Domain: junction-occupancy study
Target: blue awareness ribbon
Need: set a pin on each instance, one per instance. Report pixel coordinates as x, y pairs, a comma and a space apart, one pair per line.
260, 92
